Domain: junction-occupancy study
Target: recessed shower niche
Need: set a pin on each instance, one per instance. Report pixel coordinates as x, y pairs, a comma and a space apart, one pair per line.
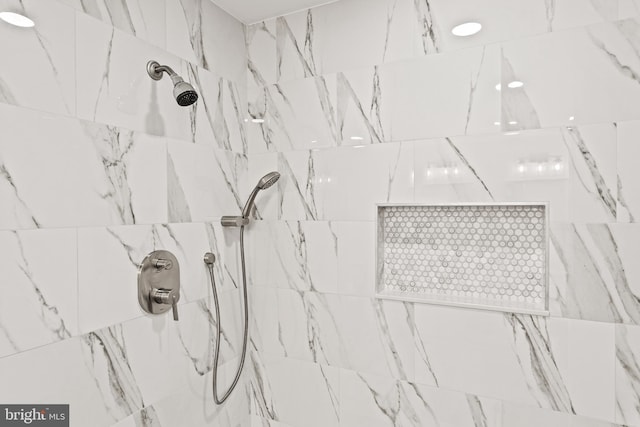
485, 256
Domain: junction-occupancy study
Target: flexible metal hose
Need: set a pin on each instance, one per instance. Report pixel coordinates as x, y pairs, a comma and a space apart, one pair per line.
221, 400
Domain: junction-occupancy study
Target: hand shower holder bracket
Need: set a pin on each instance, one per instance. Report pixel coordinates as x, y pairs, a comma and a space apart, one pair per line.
234, 221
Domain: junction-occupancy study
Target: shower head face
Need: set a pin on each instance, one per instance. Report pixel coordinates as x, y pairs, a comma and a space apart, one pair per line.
184, 94
268, 180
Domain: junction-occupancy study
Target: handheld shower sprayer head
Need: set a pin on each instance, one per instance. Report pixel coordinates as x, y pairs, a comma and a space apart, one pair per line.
268, 180
183, 92
265, 182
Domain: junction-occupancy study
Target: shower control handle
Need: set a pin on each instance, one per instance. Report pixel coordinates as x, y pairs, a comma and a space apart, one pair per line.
162, 263
159, 283
167, 296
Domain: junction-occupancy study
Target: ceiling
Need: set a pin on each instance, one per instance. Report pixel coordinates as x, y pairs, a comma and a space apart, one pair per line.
252, 11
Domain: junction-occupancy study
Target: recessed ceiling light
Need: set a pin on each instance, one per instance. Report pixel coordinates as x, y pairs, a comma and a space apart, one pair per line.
466, 29
498, 87
357, 138
16, 19
496, 123
513, 122
257, 120
515, 84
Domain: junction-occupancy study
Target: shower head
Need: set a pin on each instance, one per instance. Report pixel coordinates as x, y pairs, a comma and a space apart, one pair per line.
183, 92
265, 182
268, 180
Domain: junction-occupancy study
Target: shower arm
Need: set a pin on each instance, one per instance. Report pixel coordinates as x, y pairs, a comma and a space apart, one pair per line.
155, 71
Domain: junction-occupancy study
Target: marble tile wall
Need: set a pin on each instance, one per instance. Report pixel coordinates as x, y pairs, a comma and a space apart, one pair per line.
361, 102
98, 167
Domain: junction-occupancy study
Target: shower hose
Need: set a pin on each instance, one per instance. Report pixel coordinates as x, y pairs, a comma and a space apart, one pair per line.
209, 261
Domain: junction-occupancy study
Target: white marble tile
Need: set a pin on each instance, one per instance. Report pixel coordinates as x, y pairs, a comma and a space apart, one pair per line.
224, 243
202, 33
508, 357
572, 77
264, 268
260, 39
299, 52
56, 171
628, 8
627, 371
318, 406
501, 20
518, 415
56, 373
125, 361
313, 247
264, 422
294, 115
361, 33
294, 255
133, 169
185, 409
39, 287
628, 204
45, 78
590, 372
509, 167
321, 184
203, 183
593, 156
344, 35
445, 174
380, 401
193, 340
259, 388
309, 326
299, 185
356, 258
603, 280
590, 422
441, 95
560, 251
378, 337
114, 87
144, 19
219, 120
146, 416
264, 322
362, 110
515, 415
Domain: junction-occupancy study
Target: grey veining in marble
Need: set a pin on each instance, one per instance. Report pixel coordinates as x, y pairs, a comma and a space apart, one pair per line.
22, 214
428, 29
603, 192
107, 357
547, 383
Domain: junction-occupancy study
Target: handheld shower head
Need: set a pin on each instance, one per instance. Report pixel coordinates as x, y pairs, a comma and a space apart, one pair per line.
268, 180
265, 182
183, 92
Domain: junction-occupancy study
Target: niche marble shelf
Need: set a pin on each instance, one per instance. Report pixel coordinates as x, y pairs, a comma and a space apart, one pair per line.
483, 256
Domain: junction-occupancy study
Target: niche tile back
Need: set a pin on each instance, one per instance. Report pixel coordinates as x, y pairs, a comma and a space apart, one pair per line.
484, 256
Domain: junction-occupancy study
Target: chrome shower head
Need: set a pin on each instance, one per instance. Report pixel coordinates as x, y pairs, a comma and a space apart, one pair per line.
183, 92
265, 182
